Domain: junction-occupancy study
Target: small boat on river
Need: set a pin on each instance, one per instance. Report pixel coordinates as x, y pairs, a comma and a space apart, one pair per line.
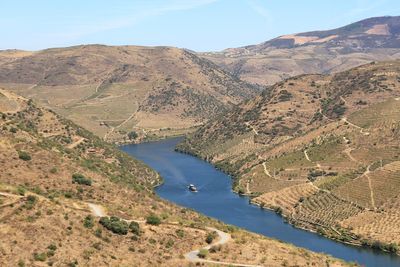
192, 188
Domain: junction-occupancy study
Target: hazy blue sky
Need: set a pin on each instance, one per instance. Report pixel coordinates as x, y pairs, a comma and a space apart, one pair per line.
201, 25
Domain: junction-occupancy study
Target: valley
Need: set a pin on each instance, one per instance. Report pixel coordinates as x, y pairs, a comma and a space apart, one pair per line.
322, 150
292, 144
67, 198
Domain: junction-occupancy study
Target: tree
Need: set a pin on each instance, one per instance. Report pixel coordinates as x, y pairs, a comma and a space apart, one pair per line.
132, 135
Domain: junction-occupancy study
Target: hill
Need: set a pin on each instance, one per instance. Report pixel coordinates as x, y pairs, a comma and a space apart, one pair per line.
322, 150
113, 91
373, 39
59, 185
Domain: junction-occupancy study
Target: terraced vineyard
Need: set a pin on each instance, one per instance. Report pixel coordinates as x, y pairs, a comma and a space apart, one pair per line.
388, 110
261, 182
385, 183
324, 209
357, 191
286, 198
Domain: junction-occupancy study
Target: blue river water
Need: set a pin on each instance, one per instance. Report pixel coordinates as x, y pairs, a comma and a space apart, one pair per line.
216, 199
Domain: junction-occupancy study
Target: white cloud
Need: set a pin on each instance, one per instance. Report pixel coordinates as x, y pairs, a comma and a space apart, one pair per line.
257, 6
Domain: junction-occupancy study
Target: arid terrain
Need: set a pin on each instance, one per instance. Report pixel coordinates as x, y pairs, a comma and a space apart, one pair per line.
373, 39
114, 91
60, 183
322, 150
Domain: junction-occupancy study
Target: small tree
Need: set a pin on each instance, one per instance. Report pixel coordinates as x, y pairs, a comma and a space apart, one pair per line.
132, 135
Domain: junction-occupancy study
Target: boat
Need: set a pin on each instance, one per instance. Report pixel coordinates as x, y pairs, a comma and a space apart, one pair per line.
192, 188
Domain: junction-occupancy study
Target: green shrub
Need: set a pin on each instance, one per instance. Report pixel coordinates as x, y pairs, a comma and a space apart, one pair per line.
24, 155
81, 179
210, 237
134, 227
21, 191
132, 135
115, 225
88, 222
202, 253
52, 247
39, 256
180, 233
30, 202
153, 220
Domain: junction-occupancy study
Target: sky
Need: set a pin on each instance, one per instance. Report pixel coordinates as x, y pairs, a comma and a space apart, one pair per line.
199, 25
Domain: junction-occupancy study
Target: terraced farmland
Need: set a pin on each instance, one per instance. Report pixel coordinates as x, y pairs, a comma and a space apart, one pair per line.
385, 183
357, 191
286, 198
388, 111
384, 225
261, 182
324, 209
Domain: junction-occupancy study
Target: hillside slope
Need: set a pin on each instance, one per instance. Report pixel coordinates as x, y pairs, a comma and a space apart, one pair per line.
57, 180
373, 39
112, 91
321, 149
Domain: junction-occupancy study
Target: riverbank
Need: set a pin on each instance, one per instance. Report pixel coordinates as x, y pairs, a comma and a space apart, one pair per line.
340, 234
216, 199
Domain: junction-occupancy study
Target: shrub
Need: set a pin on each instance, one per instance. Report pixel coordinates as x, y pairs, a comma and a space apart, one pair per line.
88, 222
180, 233
134, 227
21, 191
39, 256
24, 155
115, 225
210, 237
153, 220
81, 179
132, 135
52, 247
202, 253
30, 202
53, 170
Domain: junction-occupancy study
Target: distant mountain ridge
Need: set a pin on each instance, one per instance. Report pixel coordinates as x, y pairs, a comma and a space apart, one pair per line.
372, 39
113, 90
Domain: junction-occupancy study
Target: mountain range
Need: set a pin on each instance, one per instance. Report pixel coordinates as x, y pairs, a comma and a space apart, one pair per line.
373, 39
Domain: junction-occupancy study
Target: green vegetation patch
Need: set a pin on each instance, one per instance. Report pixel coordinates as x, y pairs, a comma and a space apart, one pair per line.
115, 225
81, 179
24, 155
153, 220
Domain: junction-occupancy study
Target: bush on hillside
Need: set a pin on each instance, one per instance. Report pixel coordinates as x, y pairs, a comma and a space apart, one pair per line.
153, 220
210, 237
81, 179
88, 222
132, 135
24, 155
115, 225
134, 227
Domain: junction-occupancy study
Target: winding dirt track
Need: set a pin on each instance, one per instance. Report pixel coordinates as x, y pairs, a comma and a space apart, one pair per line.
223, 238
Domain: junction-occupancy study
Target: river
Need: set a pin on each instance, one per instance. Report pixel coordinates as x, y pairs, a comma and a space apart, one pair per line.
216, 199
